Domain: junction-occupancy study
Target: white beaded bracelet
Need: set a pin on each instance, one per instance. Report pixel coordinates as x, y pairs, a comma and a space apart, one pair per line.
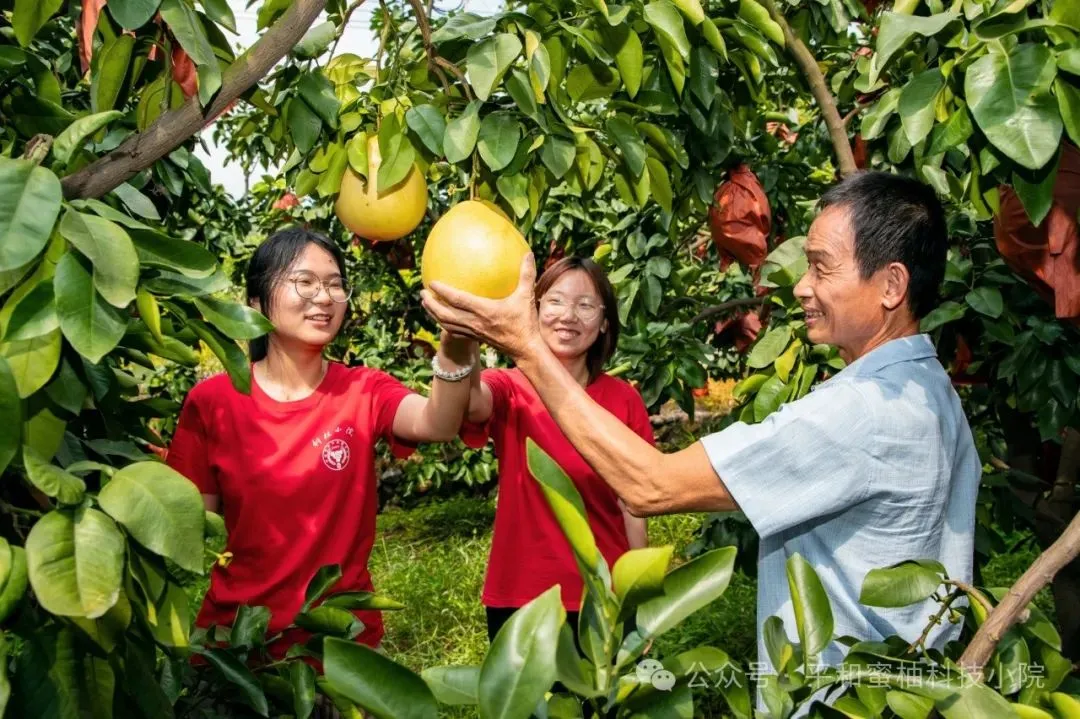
455, 376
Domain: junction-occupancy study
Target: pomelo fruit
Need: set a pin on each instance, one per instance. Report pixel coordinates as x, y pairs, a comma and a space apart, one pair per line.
381, 215
476, 249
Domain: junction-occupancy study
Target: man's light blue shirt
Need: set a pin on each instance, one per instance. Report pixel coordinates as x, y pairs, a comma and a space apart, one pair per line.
875, 466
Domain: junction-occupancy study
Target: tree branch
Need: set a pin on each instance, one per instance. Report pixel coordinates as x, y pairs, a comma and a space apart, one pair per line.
435, 60
174, 127
725, 306
820, 90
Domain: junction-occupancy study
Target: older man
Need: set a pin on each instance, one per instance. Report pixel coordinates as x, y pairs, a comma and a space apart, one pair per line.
875, 466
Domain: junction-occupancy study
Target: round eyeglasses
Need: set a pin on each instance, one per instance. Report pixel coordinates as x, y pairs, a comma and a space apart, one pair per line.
554, 307
308, 287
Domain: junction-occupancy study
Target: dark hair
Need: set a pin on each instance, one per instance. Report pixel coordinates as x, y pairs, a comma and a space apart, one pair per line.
604, 346
269, 263
896, 219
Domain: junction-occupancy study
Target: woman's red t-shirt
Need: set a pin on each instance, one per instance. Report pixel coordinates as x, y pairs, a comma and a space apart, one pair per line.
529, 552
297, 486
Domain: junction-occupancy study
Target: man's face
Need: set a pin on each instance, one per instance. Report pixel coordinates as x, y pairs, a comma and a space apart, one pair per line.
842, 308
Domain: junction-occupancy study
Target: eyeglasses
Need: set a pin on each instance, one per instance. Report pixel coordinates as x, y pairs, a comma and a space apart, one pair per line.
308, 285
553, 307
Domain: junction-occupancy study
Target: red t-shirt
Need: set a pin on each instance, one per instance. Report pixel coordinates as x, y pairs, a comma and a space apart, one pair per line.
297, 485
529, 552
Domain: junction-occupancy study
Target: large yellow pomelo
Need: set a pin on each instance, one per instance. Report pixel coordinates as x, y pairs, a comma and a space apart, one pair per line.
381, 215
476, 249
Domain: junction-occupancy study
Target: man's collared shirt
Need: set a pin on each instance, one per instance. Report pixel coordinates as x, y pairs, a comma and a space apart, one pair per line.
875, 466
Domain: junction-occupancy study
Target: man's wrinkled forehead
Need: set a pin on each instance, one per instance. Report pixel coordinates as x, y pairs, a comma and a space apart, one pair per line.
831, 234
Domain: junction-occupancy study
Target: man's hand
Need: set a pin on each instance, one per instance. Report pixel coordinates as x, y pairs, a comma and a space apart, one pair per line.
510, 324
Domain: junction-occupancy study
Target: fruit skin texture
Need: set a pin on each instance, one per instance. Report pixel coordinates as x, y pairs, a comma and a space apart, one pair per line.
1028, 712
475, 249
1067, 706
381, 216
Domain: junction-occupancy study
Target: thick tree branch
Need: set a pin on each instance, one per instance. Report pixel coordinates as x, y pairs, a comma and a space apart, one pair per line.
1038, 575
820, 90
729, 305
174, 127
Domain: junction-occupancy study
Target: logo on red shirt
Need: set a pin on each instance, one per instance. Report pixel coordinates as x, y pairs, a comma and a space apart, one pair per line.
335, 454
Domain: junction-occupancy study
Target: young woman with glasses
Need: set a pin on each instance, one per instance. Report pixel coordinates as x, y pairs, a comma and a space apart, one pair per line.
291, 465
579, 321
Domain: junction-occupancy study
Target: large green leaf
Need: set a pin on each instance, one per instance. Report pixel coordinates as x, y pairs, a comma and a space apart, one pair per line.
318, 92
687, 589
52, 480
161, 509
627, 139
171, 284
322, 581
384, 688
488, 60
638, 576
133, 14
953, 133
429, 125
660, 189
249, 629
220, 12
10, 414
302, 679
170, 621
32, 362
557, 154
625, 44
464, 25
239, 676
30, 16
315, 41
136, 202
566, 503
75, 562
304, 124
232, 357
188, 258
665, 19
90, 324
813, 612
896, 30
899, 585
34, 315
461, 133
987, 301
237, 321
975, 700
188, 29
1009, 96
454, 686
500, 134
1068, 97
75, 134
769, 347
917, 103
29, 203
110, 250
947, 312
520, 667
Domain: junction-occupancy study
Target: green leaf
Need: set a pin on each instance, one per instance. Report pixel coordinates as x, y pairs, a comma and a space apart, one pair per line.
249, 628
75, 134
769, 398
899, 585
90, 324
464, 25
132, 14
51, 480
652, 294
454, 686
629, 58
170, 621
29, 203
188, 29
362, 600
188, 258
329, 620
813, 612
30, 16
638, 576
520, 666
917, 102
515, 189
896, 30
32, 362
675, 63
75, 561
974, 700
626, 138
951, 134
566, 504
758, 17
986, 301
161, 509
877, 117
237, 673
557, 154
461, 133
302, 679
948, 312
769, 347
488, 60
136, 202
687, 589
373, 681
429, 125
1036, 191
325, 578
109, 248
34, 315
1068, 97
304, 125
660, 184
665, 19
232, 357
520, 89
10, 414
318, 92
704, 74
220, 12
109, 72
1009, 96
236, 321
500, 134
909, 706
315, 41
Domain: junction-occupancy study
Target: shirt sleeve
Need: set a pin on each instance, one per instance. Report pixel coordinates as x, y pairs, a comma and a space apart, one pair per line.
188, 451
476, 434
810, 459
387, 392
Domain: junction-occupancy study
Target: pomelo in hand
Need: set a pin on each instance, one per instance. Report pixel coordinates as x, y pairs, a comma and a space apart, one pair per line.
376, 214
476, 249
